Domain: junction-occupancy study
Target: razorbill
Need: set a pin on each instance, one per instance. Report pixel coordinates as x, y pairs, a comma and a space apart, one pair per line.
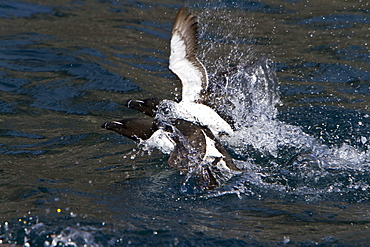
191, 147
187, 130
147, 106
204, 100
215, 97
193, 76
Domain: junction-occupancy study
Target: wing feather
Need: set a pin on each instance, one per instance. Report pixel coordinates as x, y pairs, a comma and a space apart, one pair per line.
183, 62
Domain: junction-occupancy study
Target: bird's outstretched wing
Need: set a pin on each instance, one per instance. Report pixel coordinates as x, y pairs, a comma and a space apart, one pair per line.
183, 62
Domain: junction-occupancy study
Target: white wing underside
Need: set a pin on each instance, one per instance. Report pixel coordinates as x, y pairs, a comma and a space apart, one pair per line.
193, 77
183, 61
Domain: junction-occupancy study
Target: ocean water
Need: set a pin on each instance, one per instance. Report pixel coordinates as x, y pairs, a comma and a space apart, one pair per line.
301, 109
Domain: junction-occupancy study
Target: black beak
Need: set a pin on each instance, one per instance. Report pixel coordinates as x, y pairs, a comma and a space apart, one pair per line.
105, 125
111, 125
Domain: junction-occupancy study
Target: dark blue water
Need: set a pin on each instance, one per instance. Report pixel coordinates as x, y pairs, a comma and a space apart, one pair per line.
67, 67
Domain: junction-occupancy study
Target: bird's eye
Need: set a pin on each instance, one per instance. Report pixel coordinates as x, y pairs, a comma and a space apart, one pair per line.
166, 110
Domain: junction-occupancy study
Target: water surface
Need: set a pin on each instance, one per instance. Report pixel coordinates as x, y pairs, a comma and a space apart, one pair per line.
67, 67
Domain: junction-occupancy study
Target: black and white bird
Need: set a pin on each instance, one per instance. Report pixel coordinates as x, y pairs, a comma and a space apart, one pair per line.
193, 76
190, 146
187, 130
204, 98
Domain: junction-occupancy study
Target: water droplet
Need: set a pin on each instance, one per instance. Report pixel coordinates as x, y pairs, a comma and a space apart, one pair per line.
286, 240
363, 139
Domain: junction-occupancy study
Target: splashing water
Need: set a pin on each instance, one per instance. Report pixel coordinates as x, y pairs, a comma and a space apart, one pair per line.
275, 156
73, 237
254, 94
272, 154
280, 156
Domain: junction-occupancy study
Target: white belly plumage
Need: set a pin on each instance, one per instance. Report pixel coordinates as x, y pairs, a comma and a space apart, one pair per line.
196, 113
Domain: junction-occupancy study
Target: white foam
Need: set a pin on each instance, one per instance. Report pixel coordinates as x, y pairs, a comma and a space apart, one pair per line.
160, 140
